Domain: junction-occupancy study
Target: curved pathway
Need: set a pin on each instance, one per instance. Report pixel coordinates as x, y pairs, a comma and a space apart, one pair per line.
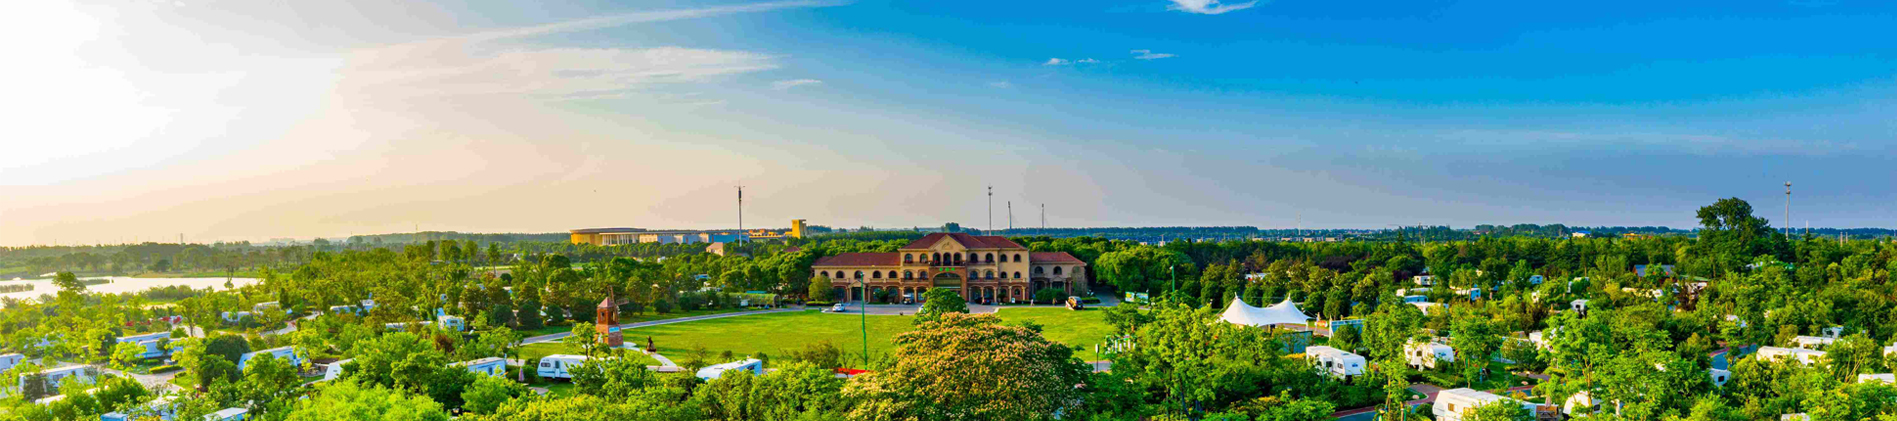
562, 335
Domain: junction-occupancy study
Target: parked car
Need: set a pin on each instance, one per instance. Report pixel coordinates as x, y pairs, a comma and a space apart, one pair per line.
1073, 303
839, 308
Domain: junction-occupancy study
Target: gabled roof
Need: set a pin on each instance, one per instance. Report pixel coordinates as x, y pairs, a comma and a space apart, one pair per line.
859, 259
967, 241
1053, 257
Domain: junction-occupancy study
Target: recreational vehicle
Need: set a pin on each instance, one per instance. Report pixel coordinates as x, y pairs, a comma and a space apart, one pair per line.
1813, 342
1453, 404
751, 365
228, 414
1426, 355
490, 366
1719, 376
1337, 362
9, 360
333, 370
560, 366
153, 343
285, 353
1887, 378
56, 375
1805, 356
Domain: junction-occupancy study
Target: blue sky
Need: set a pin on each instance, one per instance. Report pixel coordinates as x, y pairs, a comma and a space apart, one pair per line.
881, 113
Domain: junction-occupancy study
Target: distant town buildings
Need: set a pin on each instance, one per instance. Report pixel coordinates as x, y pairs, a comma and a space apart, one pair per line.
618, 236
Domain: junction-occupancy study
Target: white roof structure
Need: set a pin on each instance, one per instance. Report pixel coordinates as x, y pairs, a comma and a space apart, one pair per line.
1239, 313
1887, 378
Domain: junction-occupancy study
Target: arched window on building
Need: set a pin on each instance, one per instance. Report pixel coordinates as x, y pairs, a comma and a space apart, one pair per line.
991, 274
1057, 270
1017, 257
859, 274
825, 274
908, 275
908, 258
892, 274
988, 258
958, 258
936, 258
876, 274
1017, 275
1037, 272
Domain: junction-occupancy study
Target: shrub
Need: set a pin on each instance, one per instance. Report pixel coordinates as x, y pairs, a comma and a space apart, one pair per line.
164, 369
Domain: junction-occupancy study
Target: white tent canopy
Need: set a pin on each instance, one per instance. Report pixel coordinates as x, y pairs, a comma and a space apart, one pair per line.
1239, 313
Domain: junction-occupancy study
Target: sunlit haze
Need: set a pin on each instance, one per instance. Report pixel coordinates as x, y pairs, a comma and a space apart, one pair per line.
250, 120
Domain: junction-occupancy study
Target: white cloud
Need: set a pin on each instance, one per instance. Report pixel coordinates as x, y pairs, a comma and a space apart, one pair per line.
1087, 60
1000, 84
486, 63
1208, 7
1149, 55
1057, 61
787, 84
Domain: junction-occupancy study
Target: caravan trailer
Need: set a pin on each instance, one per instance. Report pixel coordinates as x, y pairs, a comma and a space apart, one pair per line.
490, 366
1802, 355
560, 366
1337, 362
285, 353
751, 365
55, 375
1425, 355
1452, 404
228, 414
9, 360
333, 370
153, 343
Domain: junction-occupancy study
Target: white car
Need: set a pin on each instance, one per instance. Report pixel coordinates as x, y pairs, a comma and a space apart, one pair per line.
839, 308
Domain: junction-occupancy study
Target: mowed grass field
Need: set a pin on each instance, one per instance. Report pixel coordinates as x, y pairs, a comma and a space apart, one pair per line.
775, 333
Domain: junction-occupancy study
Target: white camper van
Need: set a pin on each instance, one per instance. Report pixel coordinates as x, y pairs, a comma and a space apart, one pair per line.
490, 366
56, 375
560, 366
228, 414
333, 370
749, 364
9, 360
1453, 403
1337, 362
1805, 356
285, 353
1425, 355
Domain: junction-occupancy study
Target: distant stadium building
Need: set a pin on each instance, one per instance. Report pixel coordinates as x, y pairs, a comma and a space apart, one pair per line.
984, 269
618, 236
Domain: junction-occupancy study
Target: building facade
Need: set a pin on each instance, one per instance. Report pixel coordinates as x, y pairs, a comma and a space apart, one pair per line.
618, 236
983, 269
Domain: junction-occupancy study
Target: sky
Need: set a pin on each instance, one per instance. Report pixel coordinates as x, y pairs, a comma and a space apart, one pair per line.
227, 120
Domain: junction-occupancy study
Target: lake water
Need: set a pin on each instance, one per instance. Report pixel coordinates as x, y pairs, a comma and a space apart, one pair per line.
122, 284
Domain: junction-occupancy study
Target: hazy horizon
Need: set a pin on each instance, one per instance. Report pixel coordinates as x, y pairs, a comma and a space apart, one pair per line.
231, 121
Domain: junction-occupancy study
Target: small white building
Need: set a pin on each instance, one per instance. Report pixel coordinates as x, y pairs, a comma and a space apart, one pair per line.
560, 366
1833, 332
234, 316
1580, 405
9, 360
1805, 356
1813, 342
162, 408
56, 375
1887, 378
154, 343
491, 366
751, 365
1339, 363
1425, 306
1415, 298
1719, 376
333, 370
228, 414
285, 353
1579, 306
1424, 280
1536, 280
1795, 417
1890, 350
403, 327
1426, 355
455, 323
1539, 339
1453, 404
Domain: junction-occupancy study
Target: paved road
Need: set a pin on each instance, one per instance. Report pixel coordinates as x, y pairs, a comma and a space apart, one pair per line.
563, 335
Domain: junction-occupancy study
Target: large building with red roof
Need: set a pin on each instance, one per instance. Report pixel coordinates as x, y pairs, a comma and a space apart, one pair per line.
984, 269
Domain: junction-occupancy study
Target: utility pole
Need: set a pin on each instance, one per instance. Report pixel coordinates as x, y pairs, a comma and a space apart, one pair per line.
863, 322
991, 208
741, 234
1788, 208
1010, 215
1043, 217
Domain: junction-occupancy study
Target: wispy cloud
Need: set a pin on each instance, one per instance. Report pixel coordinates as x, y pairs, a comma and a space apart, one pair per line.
1057, 61
1208, 7
787, 84
1087, 60
1149, 55
1000, 84
485, 63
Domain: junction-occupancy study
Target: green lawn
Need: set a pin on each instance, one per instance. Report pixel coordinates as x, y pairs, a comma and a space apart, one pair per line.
634, 318
776, 333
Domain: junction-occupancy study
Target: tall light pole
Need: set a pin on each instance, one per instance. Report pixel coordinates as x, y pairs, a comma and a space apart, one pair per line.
991, 208
863, 321
741, 234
